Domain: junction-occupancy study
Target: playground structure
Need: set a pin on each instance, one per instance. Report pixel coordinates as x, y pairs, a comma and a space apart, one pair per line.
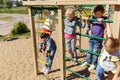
61, 4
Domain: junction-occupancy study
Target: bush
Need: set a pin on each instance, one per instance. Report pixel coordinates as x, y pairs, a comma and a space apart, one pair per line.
19, 28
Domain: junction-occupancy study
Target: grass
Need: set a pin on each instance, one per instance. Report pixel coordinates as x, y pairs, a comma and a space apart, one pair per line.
6, 18
13, 37
15, 10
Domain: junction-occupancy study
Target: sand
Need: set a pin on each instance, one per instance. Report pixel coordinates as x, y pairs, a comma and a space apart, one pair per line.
17, 62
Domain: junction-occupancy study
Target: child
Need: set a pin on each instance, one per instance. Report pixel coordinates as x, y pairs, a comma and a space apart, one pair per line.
48, 47
50, 23
97, 30
109, 60
69, 32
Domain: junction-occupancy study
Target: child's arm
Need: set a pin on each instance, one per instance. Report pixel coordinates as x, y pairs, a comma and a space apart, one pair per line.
81, 25
117, 71
40, 46
48, 47
109, 33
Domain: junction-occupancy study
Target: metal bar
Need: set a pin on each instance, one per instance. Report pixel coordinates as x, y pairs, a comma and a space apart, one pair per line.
81, 76
85, 35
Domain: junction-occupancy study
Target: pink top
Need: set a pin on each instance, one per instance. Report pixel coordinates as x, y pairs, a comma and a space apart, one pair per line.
70, 36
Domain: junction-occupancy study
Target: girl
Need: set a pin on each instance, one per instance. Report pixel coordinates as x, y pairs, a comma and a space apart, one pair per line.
109, 60
69, 32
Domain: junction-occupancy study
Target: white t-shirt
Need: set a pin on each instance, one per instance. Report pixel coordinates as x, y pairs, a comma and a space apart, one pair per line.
107, 61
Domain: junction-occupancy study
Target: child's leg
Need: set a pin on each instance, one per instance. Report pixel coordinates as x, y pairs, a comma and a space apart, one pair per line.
49, 59
88, 57
45, 67
100, 73
68, 46
48, 65
97, 48
73, 47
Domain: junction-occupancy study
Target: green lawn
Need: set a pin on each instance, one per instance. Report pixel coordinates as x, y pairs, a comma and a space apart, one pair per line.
6, 18
15, 10
8, 37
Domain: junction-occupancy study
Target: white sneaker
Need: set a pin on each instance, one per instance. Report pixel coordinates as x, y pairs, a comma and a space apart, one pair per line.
85, 64
74, 59
43, 69
47, 71
92, 67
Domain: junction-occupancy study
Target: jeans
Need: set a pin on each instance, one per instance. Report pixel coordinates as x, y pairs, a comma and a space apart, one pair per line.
71, 46
49, 58
94, 46
100, 73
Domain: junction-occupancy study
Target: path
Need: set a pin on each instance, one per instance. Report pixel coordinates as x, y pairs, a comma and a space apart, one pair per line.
6, 28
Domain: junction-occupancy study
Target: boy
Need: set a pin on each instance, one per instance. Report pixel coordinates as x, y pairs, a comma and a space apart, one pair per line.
48, 47
97, 30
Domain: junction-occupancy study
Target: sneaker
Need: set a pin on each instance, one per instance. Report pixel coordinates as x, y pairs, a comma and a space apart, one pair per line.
92, 67
74, 59
47, 71
43, 69
85, 64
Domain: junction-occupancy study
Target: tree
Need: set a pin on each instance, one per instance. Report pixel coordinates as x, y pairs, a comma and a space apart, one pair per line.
1, 1
18, 3
7, 3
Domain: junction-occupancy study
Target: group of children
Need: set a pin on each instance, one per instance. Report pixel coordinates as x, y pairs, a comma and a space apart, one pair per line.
110, 56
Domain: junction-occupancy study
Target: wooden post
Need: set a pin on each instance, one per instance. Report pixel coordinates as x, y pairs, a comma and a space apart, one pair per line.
116, 29
61, 42
107, 10
33, 35
116, 25
78, 38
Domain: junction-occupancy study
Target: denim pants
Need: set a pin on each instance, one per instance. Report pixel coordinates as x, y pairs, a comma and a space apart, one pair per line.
100, 73
71, 46
94, 46
49, 58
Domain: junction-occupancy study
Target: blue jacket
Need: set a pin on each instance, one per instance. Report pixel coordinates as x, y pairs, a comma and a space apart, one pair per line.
50, 44
70, 26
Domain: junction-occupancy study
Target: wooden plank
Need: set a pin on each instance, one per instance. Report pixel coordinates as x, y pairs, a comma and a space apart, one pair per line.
37, 3
33, 35
116, 25
70, 2
78, 2
61, 42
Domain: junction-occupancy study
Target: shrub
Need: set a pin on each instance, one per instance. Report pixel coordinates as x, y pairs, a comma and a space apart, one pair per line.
19, 28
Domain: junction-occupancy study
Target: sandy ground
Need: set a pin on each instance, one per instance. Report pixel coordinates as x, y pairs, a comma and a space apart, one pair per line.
17, 62
17, 59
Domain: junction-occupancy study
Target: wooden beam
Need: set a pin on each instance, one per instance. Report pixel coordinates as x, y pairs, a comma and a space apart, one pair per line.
70, 2
78, 2
38, 3
116, 25
33, 35
61, 42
